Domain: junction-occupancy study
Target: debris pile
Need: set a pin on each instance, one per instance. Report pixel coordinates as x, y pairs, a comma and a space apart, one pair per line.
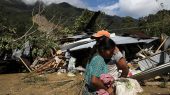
61, 62
148, 61
147, 57
151, 62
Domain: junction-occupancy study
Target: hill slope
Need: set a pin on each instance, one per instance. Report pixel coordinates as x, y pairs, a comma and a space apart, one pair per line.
17, 14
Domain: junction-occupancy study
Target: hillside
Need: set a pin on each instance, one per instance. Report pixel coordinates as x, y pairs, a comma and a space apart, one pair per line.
156, 24
15, 13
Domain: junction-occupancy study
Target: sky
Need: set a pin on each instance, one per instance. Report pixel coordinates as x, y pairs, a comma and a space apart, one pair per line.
133, 8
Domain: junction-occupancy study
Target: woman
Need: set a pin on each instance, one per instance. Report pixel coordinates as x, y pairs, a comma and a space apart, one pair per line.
97, 66
115, 59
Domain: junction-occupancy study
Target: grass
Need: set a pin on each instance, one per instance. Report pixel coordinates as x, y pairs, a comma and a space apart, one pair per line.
32, 79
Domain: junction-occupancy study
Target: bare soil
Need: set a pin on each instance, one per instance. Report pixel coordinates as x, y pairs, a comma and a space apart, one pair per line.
53, 84
48, 84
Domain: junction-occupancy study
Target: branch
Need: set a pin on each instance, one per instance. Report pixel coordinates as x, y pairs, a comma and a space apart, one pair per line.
24, 36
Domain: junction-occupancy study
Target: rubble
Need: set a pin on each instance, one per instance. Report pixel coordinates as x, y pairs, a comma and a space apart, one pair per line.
51, 65
146, 63
55, 64
145, 59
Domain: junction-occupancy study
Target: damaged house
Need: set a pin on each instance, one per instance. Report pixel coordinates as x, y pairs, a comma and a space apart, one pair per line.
142, 52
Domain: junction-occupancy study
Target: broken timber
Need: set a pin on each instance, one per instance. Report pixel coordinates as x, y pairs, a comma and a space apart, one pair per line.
153, 72
156, 71
25, 64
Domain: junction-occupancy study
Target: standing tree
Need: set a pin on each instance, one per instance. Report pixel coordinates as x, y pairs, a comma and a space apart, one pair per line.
81, 21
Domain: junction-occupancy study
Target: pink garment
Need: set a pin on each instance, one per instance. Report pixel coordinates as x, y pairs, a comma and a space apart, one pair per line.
107, 79
102, 92
130, 74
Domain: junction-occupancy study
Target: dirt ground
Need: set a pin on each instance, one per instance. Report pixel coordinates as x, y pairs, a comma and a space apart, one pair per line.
53, 84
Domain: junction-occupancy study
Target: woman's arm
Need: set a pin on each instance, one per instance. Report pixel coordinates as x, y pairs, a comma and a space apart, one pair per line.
98, 83
121, 64
98, 67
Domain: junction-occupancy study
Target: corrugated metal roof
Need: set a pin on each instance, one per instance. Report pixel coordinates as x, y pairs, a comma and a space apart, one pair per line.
118, 40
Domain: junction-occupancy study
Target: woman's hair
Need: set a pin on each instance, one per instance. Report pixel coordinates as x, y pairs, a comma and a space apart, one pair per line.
94, 50
105, 44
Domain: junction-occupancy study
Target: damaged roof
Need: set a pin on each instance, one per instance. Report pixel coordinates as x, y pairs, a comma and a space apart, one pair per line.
89, 43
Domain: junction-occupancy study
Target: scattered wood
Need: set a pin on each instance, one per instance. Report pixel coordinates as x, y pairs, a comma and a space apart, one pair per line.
25, 64
52, 64
161, 44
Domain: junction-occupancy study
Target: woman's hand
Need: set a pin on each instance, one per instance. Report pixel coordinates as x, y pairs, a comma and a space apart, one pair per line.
121, 64
110, 90
98, 83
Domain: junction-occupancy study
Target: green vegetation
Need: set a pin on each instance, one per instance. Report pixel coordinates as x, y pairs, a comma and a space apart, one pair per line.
156, 24
82, 21
16, 19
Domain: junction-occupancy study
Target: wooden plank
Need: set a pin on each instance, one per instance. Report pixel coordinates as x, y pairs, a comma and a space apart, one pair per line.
25, 64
